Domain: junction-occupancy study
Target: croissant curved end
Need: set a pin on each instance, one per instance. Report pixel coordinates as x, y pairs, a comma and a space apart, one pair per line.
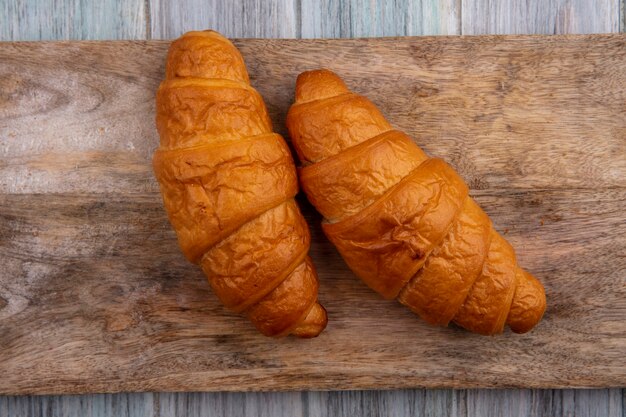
319, 84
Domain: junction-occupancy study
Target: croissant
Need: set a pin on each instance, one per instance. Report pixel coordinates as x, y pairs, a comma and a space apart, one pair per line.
228, 185
402, 221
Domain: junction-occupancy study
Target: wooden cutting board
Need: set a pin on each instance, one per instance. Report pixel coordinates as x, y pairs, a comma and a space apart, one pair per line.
95, 295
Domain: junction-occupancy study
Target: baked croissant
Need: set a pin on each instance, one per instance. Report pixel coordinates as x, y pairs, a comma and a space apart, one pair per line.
228, 184
402, 221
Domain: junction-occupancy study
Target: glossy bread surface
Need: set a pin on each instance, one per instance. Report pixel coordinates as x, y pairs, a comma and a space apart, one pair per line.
228, 184
403, 222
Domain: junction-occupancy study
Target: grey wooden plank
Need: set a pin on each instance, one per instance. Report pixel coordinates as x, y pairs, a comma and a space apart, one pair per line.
539, 16
499, 402
92, 405
261, 404
370, 18
580, 403
66, 19
236, 18
417, 402
592, 403
306, 18
622, 7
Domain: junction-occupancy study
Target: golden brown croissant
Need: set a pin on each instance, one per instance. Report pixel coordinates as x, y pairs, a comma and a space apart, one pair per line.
403, 222
228, 184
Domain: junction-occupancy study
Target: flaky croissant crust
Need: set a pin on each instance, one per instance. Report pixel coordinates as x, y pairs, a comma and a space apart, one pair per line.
402, 221
228, 184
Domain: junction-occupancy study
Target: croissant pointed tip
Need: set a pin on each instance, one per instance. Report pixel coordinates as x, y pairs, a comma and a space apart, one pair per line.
319, 84
206, 33
205, 54
314, 323
529, 304
320, 72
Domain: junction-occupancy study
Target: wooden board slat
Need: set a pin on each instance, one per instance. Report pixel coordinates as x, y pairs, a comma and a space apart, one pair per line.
97, 297
529, 403
539, 17
72, 19
90, 405
306, 18
453, 403
258, 404
507, 91
233, 18
361, 18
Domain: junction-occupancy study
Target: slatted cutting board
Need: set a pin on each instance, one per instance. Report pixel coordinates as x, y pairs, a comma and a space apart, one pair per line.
95, 295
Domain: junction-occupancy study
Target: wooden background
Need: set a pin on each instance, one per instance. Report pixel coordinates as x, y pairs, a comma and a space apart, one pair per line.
30, 20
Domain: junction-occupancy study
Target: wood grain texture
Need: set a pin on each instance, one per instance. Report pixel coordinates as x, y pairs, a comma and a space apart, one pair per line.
393, 403
238, 18
97, 296
261, 404
591, 403
127, 332
420, 402
361, 18
547, 402
523, 403
502, 92
67, 19
539, 17
543, 17
306, 18
92, 405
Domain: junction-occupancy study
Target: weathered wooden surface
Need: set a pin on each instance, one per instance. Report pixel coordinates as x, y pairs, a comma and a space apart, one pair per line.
160, 19
97, 296
307, 18
28, 20
90, 405
238, 18
452, 403
50, 20
539, 17
366, 18
361, 18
